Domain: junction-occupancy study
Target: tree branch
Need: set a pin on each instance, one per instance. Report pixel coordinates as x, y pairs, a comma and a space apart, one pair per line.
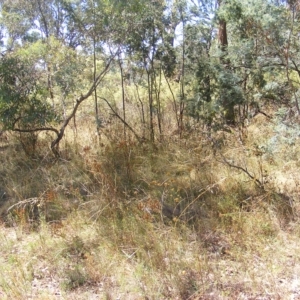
37, 129
98, 79
256, 181
123, 121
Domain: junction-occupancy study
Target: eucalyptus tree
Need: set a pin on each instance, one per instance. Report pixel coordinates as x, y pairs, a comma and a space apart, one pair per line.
144, 32
91, 19
200, 63
227, 55
264, 50
62, 70
252, 55
209, 64
30, 20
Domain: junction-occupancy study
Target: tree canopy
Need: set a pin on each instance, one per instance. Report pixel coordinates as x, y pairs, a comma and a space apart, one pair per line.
219, 60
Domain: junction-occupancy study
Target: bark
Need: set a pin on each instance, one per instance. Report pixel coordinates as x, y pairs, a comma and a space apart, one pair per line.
223, 42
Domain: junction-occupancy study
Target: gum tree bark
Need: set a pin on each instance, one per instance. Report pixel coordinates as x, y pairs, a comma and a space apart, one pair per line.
223, 42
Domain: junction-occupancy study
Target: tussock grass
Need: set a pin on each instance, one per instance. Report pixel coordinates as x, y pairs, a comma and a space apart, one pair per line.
116, 219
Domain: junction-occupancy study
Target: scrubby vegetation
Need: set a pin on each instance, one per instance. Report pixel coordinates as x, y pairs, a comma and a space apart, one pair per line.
149, 150
120, 219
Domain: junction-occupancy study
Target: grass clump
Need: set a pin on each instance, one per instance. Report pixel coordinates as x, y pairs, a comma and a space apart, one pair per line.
121, 219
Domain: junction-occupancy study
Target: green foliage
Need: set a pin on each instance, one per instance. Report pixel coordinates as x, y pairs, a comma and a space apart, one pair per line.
59, 43
22, 99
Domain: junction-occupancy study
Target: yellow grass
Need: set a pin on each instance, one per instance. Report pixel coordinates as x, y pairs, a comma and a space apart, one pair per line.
113, 219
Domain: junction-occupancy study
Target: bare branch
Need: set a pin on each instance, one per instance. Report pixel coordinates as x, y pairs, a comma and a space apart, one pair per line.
122, 120
37, 129
231, 165
98, 79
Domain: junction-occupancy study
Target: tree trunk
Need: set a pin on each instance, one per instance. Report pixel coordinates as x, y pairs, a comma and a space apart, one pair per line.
228, 105
123, 94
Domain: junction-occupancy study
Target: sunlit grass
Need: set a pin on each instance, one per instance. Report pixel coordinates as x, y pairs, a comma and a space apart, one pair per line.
117, 219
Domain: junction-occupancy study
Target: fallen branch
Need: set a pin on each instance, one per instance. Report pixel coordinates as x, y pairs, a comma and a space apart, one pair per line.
231, 165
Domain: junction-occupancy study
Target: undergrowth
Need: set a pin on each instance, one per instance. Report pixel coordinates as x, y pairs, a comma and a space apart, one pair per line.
117, 218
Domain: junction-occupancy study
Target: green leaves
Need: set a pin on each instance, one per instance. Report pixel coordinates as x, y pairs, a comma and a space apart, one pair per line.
22, 99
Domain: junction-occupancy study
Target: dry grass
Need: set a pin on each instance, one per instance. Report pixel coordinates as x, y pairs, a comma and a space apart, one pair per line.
114, 219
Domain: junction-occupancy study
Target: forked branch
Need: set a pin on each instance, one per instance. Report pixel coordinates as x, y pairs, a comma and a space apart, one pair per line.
98, 79
231, 165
